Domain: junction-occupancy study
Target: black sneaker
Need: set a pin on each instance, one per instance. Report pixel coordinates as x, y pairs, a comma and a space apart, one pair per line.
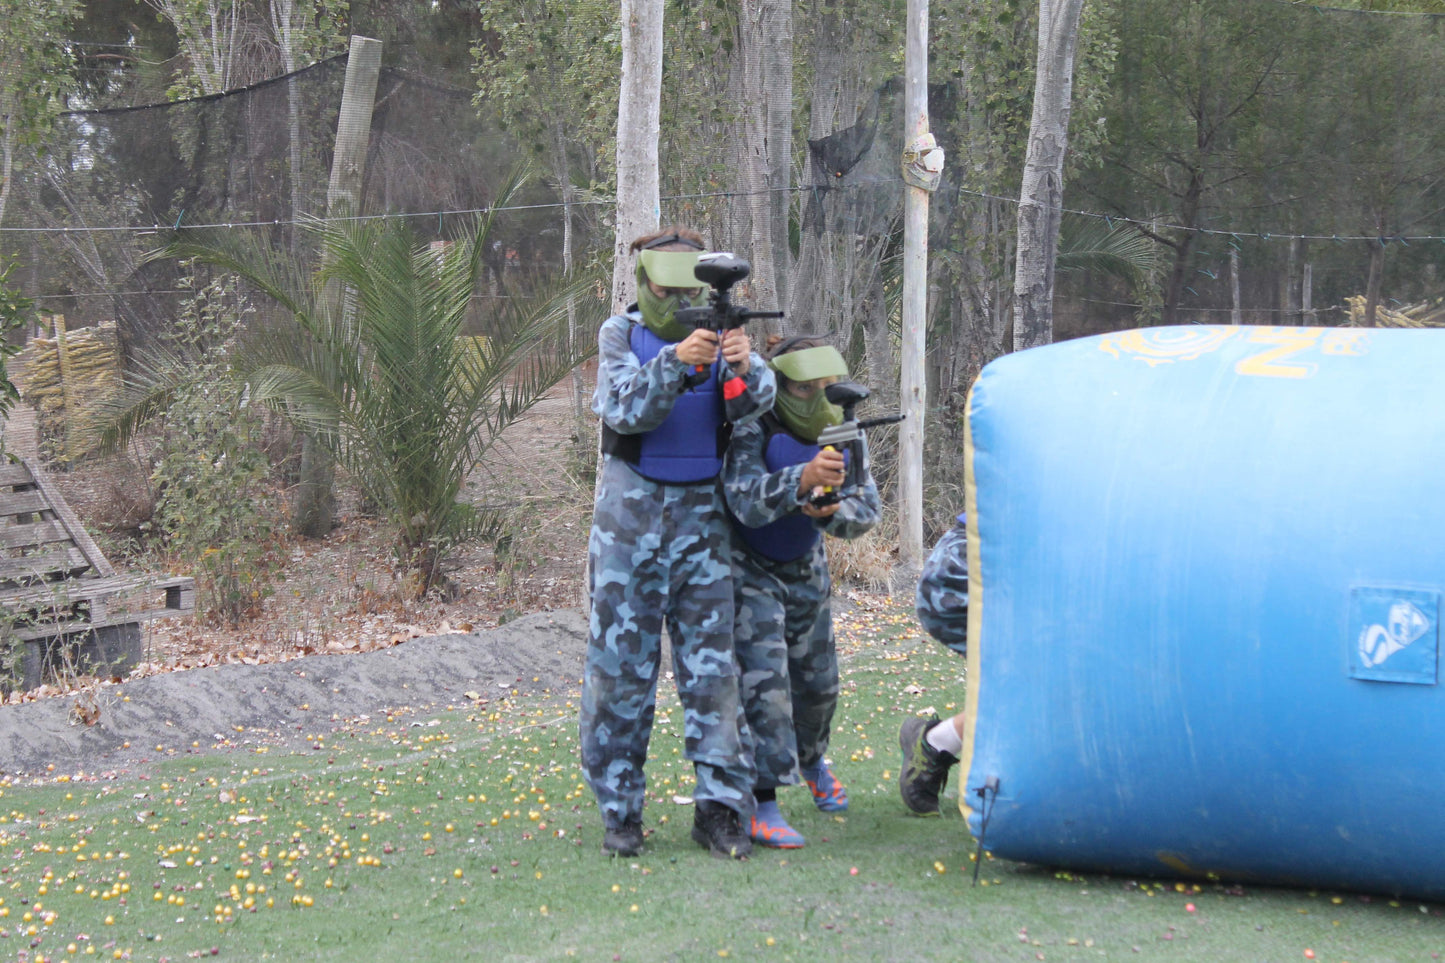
925, 769
624, 839
720, 829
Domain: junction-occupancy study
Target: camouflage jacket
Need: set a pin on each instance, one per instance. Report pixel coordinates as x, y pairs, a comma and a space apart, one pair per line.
942, 601
632, 397
757, 496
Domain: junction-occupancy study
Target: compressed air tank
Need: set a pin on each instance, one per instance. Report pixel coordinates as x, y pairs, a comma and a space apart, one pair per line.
1206, 569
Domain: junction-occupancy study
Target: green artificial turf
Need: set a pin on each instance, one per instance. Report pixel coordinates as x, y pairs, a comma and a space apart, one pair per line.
468, 834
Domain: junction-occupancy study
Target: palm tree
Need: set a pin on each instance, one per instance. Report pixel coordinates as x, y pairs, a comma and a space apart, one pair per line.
1095, 244
383, 375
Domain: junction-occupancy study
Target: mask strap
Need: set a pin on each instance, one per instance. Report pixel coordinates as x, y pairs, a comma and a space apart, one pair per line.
788, 344
674, 238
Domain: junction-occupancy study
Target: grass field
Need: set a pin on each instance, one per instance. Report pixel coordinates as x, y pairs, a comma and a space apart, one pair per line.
468, 834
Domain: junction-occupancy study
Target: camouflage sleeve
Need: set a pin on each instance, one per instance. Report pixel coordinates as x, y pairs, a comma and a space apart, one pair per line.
633, 397
857, 513
942, 601
759, 387
755, 495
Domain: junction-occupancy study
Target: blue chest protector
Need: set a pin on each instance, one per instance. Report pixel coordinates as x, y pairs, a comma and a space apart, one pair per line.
794, 535
687, 447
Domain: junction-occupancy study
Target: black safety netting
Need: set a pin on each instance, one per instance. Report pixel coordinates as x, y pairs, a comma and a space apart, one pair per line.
117, 184
1250, 161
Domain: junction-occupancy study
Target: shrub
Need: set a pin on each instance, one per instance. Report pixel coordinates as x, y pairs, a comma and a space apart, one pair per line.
216, 507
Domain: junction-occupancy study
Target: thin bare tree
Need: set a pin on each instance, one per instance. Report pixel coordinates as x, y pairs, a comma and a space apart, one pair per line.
639, 106
1041, 198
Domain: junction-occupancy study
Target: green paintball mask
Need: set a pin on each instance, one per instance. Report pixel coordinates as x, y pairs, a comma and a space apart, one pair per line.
802, 404
671, 270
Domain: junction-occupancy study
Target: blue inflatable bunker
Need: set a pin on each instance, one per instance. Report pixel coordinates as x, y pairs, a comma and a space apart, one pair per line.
1207, 567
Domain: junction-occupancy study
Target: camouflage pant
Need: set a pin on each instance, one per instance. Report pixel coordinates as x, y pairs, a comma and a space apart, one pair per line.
659, 552
784, 628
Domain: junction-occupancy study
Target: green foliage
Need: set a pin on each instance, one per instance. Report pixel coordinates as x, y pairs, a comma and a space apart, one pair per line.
1214, 122
1116, 250
550, 72
34, 65
989, 48
1097, 55
404, 401
318, 27
230, 43
35, 68
215, 508
15, 312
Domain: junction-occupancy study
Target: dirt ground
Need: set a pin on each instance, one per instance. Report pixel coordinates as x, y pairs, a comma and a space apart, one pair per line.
336, 643
290, 703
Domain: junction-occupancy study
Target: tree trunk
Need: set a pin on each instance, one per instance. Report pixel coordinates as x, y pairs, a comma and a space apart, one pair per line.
1374, 282
807, 304
208, 36
878, 346
846, 224
1042, 196
1174, 286
1306, 296
765, 93
1236, 316
639, 106
778, 69
987, 234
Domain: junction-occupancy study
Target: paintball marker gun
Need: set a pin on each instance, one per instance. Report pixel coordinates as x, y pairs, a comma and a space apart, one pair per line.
848, 438
720, 271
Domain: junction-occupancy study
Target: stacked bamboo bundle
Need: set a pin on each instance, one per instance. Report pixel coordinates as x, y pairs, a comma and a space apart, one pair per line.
64, 378
1426, 314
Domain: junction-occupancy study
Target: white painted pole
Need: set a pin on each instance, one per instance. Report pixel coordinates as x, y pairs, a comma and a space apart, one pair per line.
913, 388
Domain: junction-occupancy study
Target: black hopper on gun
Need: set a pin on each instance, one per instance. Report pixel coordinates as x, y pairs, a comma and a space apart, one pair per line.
848, 437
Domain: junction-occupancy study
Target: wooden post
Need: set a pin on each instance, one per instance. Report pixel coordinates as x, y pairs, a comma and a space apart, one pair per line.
913, 386
62, 373
1292, 282
353, 126
312, 514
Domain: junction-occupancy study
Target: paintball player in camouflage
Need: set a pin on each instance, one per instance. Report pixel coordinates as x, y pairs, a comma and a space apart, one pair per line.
931, 747
658, 551
784, 621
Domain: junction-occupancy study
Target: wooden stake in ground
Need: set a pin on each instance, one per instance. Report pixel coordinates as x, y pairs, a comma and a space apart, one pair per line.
312, 514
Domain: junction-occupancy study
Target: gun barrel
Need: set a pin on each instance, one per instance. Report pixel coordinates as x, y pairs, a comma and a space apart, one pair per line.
885, 420
839, 434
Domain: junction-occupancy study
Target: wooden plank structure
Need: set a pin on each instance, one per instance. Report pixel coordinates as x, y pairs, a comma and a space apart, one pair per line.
61, 601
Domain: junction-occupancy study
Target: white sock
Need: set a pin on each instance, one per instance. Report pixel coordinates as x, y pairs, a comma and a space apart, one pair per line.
945, 738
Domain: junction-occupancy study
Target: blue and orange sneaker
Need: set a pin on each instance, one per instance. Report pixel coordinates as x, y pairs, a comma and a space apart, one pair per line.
771, 829
828, 793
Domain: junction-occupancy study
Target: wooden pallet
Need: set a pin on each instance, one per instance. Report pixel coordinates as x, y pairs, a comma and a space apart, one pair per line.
61, 599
